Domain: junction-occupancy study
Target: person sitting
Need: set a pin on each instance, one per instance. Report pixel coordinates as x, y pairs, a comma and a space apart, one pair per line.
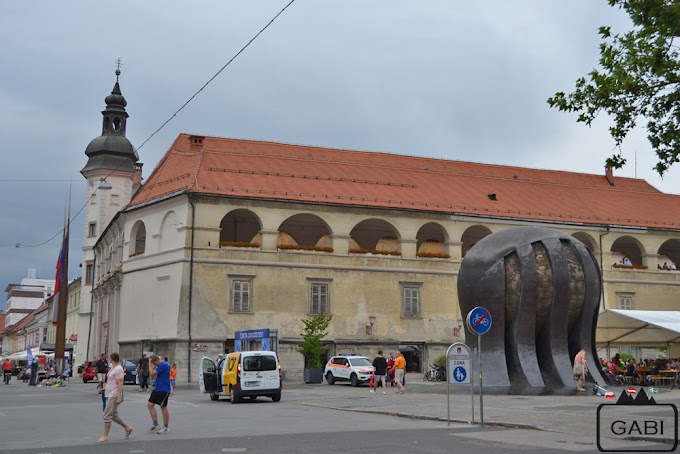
673, 267
631, 372
627, 262
613, 368
665, 266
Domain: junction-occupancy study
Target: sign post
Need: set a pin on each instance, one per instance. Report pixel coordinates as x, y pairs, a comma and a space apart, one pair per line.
479, 322
459, 371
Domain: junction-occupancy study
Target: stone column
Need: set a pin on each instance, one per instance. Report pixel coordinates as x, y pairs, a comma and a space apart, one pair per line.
454, 249
408, 248
340, 244
269, 239
651, 260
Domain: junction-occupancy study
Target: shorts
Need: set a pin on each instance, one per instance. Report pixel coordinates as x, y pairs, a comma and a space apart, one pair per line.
173, 383
399, 374
379, 378
159, 398
101, 377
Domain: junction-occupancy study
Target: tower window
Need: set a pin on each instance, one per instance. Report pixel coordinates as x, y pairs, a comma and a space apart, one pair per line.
116, 124
92, 229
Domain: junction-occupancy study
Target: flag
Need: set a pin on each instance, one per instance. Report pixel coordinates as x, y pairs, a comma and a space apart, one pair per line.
57, 281
29, 355
631, 391
653, 390
609, 395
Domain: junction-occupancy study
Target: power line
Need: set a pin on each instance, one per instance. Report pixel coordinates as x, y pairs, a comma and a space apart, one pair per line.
161, 127
217, 73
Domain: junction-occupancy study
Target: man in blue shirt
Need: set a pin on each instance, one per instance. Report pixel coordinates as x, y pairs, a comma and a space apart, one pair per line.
159, 395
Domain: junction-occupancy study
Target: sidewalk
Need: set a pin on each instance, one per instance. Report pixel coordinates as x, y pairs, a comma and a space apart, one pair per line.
574, 414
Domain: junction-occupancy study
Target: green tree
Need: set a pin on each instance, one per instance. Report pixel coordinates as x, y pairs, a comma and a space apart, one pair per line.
311, 347
638, 78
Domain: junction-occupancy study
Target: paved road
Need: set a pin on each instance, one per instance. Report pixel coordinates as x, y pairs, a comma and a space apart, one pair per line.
309, 418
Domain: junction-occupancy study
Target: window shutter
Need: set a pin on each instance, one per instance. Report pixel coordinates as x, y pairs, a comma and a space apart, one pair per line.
245, 296
236, 292
323, 298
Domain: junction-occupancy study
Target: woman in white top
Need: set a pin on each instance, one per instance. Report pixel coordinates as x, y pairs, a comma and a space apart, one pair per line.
114, 396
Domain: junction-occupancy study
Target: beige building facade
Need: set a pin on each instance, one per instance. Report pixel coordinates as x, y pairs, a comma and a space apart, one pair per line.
180, 273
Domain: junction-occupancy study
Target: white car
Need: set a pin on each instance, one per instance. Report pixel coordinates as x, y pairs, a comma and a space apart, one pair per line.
356, 369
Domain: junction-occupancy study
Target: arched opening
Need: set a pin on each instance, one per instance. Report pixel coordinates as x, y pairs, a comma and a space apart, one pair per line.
472, 236
168, 227
138, 242
239, 227
587, 240
669, 254
374, 235
304, 230
431, 241
629, 248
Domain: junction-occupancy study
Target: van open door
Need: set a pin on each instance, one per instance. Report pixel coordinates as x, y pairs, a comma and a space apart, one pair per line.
207, 376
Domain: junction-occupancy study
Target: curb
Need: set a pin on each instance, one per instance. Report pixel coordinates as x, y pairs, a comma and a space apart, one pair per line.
505, 425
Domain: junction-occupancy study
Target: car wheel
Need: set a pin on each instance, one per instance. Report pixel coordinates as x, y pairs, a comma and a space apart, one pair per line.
232, 395
330, 379
276, 397
354, 380
214, 396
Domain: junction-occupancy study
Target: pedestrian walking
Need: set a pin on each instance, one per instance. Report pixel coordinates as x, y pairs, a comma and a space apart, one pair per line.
114, 397
7, 370
159, 396
380, 366
100, 390
143, 373
390, 368
173, 378
399, 370
102, 366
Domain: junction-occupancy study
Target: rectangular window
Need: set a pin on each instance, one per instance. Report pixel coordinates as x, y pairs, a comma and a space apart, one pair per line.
92, 229
241, 295
410, 295
319, 297
625, 301
89, 274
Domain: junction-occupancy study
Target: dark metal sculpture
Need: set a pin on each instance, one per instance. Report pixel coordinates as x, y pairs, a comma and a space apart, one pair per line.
542, 288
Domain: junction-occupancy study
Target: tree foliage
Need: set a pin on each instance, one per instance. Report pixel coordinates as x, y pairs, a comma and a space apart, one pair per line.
311, 347
638, 78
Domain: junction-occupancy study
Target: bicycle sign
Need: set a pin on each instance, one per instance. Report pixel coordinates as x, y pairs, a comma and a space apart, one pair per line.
479, 321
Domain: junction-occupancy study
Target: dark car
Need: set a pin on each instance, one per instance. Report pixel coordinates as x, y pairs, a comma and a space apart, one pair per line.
130, 368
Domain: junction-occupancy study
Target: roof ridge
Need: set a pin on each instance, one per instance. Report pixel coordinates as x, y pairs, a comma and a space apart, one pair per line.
441, 171
429, 158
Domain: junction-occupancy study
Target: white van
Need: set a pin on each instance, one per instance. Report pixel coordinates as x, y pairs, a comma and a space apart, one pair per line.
242, 374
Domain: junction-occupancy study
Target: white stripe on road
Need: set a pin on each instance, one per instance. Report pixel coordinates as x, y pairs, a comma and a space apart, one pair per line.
234, 449
139, 450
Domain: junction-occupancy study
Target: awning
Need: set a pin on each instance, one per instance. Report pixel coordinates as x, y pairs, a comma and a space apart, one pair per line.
50, 347
640, 328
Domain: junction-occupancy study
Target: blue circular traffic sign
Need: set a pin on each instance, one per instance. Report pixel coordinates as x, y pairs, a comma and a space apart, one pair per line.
479, 320
459, 374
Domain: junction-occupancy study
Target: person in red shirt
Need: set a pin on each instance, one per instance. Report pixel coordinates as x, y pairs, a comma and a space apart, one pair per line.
7, 370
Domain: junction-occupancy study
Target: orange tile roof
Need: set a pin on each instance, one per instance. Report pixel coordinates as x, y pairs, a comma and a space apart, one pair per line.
276, 171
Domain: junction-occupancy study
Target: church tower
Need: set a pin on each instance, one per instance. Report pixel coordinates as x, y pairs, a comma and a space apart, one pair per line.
113, 175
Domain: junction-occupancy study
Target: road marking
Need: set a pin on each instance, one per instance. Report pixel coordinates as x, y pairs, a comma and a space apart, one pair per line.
138, 450
234, 449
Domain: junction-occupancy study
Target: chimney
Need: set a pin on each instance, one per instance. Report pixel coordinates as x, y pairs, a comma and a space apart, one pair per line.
196, 143
609, 174
137, 178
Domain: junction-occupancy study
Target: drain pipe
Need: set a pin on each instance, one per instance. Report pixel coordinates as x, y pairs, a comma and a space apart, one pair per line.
602, 268
191, 277
89, 328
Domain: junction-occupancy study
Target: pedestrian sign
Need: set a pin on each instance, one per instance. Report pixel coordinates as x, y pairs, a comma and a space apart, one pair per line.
479, 321
460, 373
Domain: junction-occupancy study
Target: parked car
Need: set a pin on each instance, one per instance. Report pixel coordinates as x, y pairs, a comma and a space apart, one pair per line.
242, 374
90, 371
130, 368
355, 368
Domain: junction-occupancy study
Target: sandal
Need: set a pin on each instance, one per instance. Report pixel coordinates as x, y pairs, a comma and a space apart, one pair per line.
128, 432
103, 440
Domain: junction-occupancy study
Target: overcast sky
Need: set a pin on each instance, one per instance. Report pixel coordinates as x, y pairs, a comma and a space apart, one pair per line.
449, 79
